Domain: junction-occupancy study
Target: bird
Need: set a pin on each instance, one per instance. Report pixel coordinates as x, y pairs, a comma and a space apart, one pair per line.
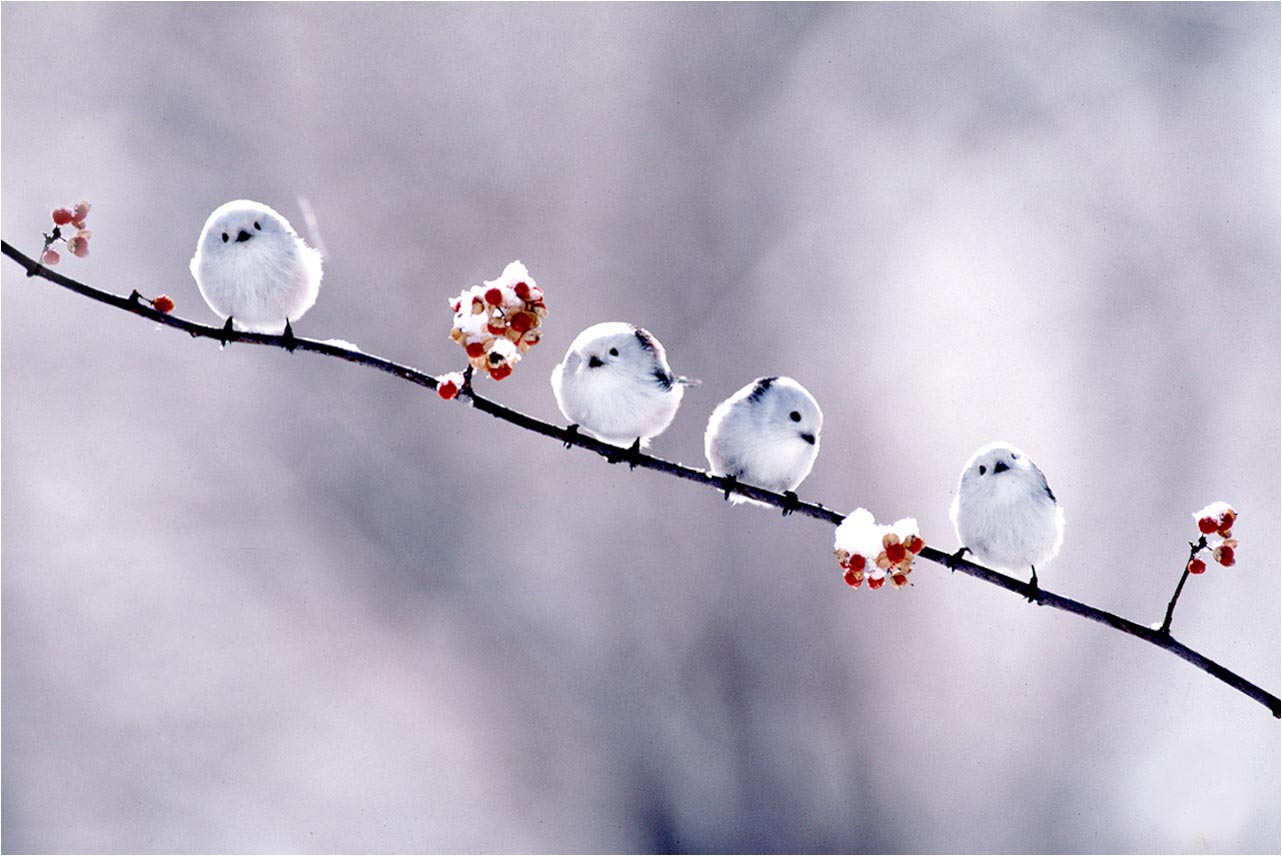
614, 382
766, 434
1005, 513
253, 269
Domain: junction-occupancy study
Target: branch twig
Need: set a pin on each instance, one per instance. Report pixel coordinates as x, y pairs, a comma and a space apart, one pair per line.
1194, 548
1161, 638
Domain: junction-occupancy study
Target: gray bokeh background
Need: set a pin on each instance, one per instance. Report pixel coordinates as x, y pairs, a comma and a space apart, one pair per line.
254, 601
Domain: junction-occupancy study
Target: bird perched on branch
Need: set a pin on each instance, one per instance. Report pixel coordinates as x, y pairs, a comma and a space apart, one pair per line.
253, 269
1005, 513
615, 382
766, 434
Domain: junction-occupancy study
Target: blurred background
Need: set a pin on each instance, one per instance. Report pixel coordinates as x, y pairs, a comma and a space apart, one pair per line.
263, 602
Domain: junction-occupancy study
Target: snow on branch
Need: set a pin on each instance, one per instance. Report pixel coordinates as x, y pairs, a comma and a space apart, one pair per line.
158, 311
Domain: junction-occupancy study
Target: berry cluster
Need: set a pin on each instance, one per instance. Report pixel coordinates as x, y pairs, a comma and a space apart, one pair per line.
876, 553
499, 321
1215, 520
448, 385
77, 244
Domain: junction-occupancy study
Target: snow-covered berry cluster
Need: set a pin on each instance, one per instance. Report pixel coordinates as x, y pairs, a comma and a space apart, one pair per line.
1215, 522
77, 244
499, 321
448, 385
876, 553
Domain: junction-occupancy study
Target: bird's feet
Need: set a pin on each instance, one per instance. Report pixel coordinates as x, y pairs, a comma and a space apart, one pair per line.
632, 455
729, 484
290, 342
956, 557
228, 333
1034, 592
791, 502
571, 432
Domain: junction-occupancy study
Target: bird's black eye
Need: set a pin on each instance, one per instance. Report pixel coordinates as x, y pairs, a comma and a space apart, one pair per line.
224, 237
256, 226
982, 469
794, 416
1014, 457
614, 352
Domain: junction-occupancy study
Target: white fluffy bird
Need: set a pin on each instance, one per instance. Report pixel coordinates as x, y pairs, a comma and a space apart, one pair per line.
766, 434
615, 382
1005, 512
253, 269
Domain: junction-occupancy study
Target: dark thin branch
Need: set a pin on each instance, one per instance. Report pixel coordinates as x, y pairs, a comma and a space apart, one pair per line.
1195, 547
789, 504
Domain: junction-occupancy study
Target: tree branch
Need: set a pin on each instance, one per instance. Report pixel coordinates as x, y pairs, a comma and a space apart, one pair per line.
789, 504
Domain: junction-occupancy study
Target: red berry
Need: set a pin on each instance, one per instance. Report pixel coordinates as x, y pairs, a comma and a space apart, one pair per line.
895, 553
522, 321
876, 582
899, 579
163, 304
501, 372
1227, 518
1207, 525
1226, 532
858, 562
62, 216
494, 297
1224, 555
447, 390
78, 246
475, 349
536, 295
1197, 566
50, 257
522, 290
495, 326
914, 544
852, 579
456, 306
81, 211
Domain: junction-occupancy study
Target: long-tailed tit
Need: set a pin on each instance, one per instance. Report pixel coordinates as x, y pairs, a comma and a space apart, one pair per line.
253, 269
1005, 512
615, 382
766, 434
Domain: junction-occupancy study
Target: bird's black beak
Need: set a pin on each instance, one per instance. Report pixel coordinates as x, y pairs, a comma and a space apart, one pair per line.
243, 236
594, 362
809, 438
1000, 467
